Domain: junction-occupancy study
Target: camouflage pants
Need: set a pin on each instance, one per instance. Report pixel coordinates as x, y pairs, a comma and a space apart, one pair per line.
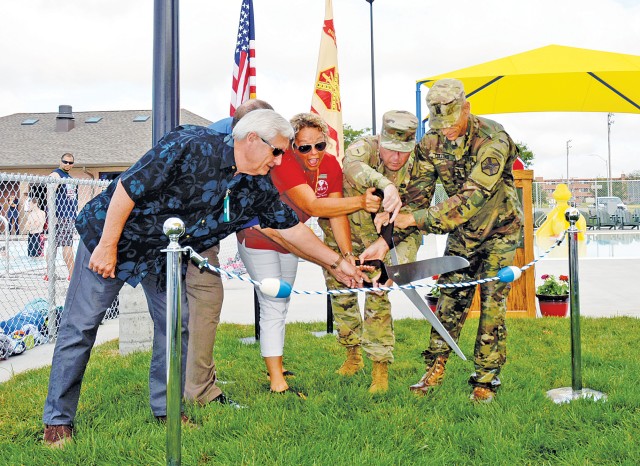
490, 352
375, 332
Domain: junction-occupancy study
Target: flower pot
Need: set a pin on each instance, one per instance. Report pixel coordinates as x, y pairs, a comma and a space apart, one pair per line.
553, 306
432, 302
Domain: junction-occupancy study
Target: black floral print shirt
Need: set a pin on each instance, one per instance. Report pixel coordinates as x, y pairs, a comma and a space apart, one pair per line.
186, 175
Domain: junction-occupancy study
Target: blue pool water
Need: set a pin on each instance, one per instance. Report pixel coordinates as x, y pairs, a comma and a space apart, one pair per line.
617, 245
603, 245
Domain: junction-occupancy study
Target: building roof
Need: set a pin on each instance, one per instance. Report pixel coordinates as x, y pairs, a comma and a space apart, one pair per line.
114, 140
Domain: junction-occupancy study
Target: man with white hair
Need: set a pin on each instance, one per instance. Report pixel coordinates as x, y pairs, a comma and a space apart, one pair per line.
215, 185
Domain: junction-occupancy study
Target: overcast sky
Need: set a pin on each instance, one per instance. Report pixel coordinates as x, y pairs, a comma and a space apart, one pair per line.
97, 55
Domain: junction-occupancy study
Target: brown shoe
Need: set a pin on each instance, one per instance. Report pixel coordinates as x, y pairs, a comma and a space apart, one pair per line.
432, 378
186, 420
57, 436
482, 395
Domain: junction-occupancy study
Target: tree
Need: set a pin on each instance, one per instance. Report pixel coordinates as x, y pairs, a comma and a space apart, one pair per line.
634, 175
351, 134
526, 155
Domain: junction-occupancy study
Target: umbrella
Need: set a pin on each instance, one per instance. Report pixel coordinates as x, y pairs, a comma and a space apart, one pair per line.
554, 78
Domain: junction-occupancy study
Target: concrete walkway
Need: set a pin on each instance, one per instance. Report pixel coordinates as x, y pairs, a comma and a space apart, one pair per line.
607, 289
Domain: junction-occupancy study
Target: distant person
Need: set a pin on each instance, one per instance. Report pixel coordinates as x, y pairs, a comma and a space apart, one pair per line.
13, 216
66, 210
34, 225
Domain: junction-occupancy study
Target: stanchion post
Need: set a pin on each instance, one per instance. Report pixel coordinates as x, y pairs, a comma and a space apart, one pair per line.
567, 394
174, 229
329, 315
572, 215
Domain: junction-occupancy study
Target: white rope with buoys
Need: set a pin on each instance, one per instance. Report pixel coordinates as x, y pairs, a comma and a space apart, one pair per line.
277, 288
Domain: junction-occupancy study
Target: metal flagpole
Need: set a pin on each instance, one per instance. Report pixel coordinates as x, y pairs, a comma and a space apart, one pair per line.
166, 69
373, 79
174, 229
567, 394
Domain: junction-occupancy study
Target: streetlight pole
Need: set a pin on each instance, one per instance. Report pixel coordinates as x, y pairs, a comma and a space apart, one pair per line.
373, 80
568, 147
609, 123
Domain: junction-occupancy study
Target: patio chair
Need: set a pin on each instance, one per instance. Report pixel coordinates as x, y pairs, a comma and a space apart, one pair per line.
630, 221
592, 221
605, 220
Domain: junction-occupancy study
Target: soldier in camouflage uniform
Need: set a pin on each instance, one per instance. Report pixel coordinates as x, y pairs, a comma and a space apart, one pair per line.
473, 157
386, 162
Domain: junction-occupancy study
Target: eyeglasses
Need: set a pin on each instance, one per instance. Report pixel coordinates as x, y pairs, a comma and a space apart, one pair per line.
277, 152
305, 148
68, 162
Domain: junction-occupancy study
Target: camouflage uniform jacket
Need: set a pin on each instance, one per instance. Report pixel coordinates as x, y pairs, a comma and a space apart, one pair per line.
363, 168
476, 172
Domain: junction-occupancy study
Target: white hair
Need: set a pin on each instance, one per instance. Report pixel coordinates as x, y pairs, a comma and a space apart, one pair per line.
265, 123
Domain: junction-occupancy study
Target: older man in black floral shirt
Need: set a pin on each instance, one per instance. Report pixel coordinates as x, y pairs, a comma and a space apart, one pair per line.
189, 173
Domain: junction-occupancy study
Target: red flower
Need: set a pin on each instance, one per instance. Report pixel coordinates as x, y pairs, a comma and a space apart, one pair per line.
435, 277
564, 278
545, 276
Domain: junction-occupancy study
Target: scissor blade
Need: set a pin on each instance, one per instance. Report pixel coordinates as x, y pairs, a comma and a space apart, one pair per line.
401, 274
413, 271
417, 301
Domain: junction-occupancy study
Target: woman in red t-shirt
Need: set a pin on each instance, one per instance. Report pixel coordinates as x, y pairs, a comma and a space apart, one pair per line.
310, 181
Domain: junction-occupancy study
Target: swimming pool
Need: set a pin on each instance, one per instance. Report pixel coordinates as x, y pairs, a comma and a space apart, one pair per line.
617, 245
600, 245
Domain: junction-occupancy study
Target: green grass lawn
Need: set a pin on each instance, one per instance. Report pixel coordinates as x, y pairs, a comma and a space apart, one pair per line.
341, 423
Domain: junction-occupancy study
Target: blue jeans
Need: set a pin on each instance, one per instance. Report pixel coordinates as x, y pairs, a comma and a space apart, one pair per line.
88, 298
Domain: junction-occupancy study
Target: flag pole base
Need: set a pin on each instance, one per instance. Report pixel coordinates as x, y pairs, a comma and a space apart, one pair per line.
568, 394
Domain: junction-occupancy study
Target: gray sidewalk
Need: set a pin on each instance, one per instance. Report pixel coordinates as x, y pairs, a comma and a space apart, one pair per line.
607, 289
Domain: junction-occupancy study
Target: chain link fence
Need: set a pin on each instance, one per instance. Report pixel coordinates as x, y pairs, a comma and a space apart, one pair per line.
611, 204
38, 243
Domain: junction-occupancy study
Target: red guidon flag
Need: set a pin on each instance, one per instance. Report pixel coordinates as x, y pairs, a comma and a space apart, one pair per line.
326, 93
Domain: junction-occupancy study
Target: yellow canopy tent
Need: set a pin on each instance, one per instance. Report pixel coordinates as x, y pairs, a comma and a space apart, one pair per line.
554, 78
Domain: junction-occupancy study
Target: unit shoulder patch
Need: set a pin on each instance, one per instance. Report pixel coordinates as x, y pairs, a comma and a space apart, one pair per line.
490, 166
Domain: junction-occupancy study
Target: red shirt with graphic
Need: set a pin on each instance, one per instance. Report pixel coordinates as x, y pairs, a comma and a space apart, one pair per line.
289, 174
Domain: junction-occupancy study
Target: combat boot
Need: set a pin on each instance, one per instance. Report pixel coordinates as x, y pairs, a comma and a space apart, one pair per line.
432, 378
380, 375
482, 395
353, 363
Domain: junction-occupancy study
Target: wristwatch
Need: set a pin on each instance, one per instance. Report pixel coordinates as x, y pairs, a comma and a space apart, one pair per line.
336, 263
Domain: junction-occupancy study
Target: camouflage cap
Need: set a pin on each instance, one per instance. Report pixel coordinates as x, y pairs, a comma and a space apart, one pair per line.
445, 100
399, 131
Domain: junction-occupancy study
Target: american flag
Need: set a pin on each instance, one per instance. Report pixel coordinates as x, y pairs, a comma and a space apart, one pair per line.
244, 71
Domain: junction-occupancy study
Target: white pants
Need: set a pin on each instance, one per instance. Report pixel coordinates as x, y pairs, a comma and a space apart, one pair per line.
261, 264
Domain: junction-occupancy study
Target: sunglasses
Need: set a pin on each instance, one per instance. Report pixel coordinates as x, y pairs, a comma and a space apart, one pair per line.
277, 152
305, 148
68, 162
